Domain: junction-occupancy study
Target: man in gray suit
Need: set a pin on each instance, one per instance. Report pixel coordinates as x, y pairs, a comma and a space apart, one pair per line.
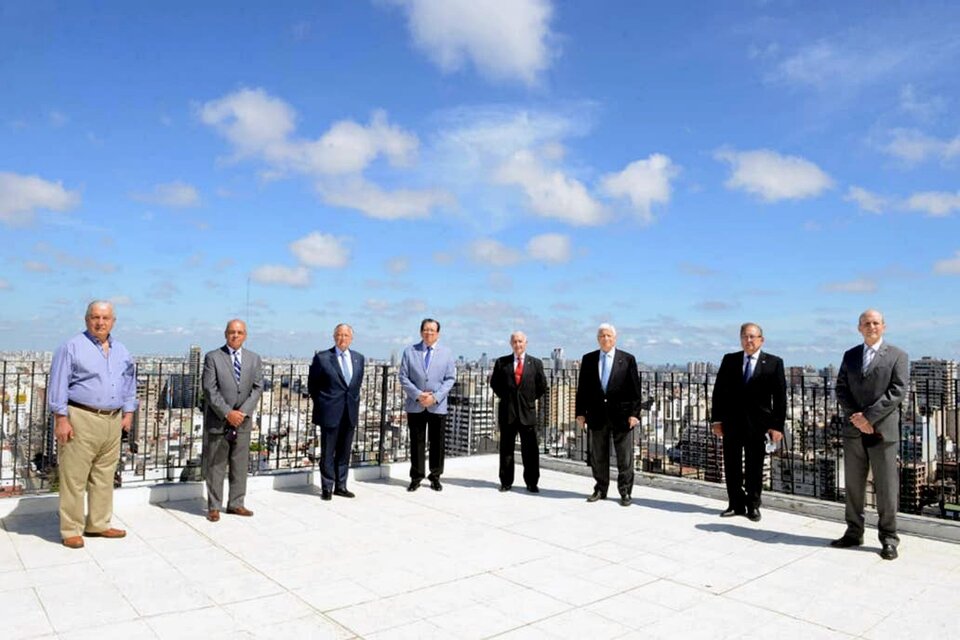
427, 373
232, 385
871, 386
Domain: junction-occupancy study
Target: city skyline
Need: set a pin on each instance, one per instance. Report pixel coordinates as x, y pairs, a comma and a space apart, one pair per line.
539, 166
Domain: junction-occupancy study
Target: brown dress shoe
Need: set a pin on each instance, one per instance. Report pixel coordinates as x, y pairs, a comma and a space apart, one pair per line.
108, 533
73, 542
240, 511
213, 515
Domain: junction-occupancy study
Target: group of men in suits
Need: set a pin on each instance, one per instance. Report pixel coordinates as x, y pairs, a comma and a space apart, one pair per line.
748, 412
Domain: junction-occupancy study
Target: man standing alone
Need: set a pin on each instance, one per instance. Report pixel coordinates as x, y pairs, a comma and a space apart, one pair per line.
518, 382
92, 394
232, 385
336, 375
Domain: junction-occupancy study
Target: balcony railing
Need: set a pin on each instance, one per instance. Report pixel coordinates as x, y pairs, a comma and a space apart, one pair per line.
673, 437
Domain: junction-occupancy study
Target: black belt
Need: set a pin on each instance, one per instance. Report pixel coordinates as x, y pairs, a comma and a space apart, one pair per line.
99, 412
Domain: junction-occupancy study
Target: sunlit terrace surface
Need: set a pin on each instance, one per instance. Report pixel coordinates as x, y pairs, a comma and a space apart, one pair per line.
468, 562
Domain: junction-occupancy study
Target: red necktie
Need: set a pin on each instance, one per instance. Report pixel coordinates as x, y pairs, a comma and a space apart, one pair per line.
518, 372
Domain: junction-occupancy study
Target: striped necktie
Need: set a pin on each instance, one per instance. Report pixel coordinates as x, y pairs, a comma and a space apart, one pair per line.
748, 370
345, 366
236, 365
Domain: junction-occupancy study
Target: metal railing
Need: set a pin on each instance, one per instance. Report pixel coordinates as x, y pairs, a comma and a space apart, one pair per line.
673, 437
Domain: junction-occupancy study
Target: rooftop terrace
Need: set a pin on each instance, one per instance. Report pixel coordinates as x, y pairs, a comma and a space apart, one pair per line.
469, 562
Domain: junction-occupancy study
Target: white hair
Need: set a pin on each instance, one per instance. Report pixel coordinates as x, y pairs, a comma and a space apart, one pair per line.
606, 326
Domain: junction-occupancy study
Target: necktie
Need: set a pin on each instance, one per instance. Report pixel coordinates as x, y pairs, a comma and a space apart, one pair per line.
345, 366
748, 370
868, 355
518, 371
604, 370
236, 365
426, 359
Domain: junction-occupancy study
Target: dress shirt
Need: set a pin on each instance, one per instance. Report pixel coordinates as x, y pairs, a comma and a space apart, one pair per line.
340, 362
82, 373
518, 358
876, 350
756, 359
236, 352
612, 352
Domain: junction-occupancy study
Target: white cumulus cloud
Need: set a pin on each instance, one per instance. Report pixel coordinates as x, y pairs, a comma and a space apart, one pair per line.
913, 146
278, 274
22, 196
772, 176
320, 250
552, 248
866, 200
859, 285
644, 183
503, 39
948, 266
176, 195
492, 253
937, 204
365, 196
550, 193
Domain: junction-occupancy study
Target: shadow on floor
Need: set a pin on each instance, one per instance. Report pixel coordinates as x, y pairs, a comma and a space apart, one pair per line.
40, 519
675, 507
763, 535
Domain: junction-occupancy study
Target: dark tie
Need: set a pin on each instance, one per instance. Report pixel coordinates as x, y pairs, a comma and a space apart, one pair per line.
236, 365
518, 372
748, 370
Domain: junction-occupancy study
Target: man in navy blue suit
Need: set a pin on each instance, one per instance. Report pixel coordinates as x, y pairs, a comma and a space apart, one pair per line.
336, 376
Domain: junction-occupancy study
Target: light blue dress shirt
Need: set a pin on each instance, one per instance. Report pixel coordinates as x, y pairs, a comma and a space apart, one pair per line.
82, 373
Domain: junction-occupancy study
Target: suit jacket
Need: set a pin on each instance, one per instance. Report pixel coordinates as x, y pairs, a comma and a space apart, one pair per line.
331, 394
221, 391
622, 398
753, 407
438, 380
877, 392
518, 404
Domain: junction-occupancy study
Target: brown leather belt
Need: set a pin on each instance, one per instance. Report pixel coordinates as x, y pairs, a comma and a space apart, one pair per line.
99, 412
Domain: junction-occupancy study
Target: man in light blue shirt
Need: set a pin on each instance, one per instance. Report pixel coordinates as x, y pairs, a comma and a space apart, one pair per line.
92, 394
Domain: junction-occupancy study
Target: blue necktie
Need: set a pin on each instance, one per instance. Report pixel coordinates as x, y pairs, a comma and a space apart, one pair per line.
604, 371
236, 365
426, 359
748, 370
345, 366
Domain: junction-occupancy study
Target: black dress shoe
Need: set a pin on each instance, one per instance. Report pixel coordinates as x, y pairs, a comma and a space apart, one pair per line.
532, 488
414, 485
846, 542
625, 501
753, 514
435, 485
596, 495
504, 487
729, 512
344, 493
889, 552
325, 494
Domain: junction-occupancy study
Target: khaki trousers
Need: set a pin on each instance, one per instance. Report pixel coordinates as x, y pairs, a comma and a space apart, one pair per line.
87, 465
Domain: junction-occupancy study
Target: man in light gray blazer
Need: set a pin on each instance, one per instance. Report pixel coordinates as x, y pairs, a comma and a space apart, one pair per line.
232, 385
427, 373
871, 386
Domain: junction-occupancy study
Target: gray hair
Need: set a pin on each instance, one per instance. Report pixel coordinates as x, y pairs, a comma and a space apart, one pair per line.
608, 327
747, 325
342, 324
869, 311
99, 303
518, 333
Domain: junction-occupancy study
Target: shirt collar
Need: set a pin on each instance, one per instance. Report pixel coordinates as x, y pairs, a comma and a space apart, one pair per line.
234, 352
876, 347
612, 351
520, 357
341, 352
755, 356
94, 340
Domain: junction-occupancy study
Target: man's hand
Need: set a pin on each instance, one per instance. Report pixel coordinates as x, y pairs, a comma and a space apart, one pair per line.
126, 422
861, 423
582, 422
633, 421
717, 428
235, 418
426, 399
775, 435
63, 430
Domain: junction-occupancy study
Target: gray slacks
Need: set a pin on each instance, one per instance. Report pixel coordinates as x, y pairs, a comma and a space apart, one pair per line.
224, 458
882, 459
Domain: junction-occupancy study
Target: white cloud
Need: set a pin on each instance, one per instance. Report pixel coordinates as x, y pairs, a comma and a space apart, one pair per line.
826, 64
550, 193
121, 301
278, 274
398, 265
644, 183
57, 118
937, 204
262, 127
866, 200
504, 39
924, 109
860, 285
914, 146
492, 253
176, 195
549, 247
774, 177
320, 250
948, 266
22, 196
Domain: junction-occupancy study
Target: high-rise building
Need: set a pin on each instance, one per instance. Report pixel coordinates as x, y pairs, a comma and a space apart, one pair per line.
470, 417
935, 383
558, 360
194, 361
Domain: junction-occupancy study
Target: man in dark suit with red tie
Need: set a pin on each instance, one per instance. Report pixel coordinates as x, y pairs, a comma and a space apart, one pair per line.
334, 381
518, 381
749, 402
608, 405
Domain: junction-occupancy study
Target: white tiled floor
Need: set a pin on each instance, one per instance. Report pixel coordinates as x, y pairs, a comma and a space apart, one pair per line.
468, 562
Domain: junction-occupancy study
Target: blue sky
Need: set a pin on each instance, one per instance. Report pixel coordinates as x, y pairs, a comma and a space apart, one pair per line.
497, 165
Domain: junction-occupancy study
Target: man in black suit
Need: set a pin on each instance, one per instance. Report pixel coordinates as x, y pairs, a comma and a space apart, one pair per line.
608, 404
749, 403
871, 386
518, 382
334, 382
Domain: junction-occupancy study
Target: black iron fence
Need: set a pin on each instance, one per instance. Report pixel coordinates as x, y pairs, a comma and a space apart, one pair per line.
673, 437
